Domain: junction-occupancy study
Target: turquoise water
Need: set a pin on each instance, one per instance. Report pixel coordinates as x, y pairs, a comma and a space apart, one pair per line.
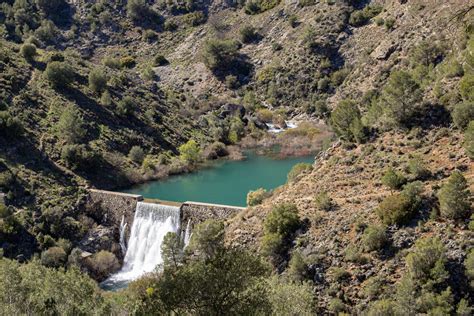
226, 182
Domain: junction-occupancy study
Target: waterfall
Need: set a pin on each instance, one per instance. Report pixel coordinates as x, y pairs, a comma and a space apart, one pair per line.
123, 225
150, 225
187, 234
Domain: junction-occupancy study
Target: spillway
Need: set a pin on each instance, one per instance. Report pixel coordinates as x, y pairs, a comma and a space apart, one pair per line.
143, 251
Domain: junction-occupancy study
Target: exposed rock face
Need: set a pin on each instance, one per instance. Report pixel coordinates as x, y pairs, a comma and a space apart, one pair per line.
384, 50
101, 238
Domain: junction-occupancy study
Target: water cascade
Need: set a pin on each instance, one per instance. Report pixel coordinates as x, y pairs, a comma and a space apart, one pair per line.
123, 226
143, 253
187, 234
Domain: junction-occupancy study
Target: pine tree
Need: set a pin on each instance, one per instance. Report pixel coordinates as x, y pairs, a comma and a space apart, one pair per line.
454, 197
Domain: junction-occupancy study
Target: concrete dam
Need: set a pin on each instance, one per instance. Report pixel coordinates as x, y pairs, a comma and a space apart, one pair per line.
142, 225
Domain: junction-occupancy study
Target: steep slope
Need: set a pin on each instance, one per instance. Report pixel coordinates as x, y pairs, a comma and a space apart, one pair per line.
351, 178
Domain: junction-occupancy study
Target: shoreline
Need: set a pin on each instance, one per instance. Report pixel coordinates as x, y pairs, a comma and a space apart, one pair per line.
305, 139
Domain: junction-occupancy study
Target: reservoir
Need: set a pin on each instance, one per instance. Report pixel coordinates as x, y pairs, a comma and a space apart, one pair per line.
224, 182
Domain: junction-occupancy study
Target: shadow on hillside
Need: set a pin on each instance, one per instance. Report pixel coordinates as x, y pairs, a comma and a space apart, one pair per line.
241, 68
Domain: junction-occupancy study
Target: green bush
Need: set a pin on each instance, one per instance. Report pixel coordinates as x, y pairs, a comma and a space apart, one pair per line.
111, 62
190, 152
463, 308
9, 224
297, 267
216, 150
28, 51
374, 238
7, 179
399, 208
265, 115
47, 32
248, 34
136, 154
102, 264
220, 54
126, 106
10, 127
106, 99
323, 84
469, 140
33, 289
358, 18
427, 259
195, 18
427, 53
337, 306
454, 197
418, 169
50, 6
293, 20
345, 120
462, 114
393, 180
79, 156
469, 266
338, 77
138, 10
283, 220
400, 98
71, 126
59, 74
298, 169
352, 254
256, 197
361, 17
381, 307
127, 62
359, 131
466, 87
299, 294
272, 244
160, 60
279, 225
323, 201
149, 36
208, 238
65, 244
258, 6
54, 257
389, 23
97, 81
209, 286
170, 26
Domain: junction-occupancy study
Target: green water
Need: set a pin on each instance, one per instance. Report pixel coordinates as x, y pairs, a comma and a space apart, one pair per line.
226, 182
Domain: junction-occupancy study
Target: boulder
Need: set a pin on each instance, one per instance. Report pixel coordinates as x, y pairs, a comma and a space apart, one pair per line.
384, 50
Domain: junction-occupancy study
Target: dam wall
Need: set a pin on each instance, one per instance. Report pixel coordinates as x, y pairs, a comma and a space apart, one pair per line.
197, 212
115, 205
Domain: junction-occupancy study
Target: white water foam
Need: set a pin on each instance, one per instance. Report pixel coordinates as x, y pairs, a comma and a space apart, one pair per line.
150, 225
273, 129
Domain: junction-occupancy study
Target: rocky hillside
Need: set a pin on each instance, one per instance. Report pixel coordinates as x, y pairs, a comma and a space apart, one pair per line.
106, 93
334, 237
